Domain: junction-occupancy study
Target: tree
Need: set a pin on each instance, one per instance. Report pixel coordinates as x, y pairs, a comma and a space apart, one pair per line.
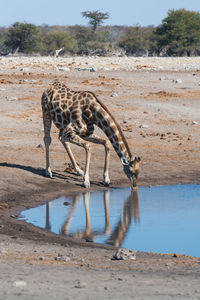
96, 18
2, 40
82, 35
86, 44
137, 40
179, 32
22, 37
104, 36
54, 40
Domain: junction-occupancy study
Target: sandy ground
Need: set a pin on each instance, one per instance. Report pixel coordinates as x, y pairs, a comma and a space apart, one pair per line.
157, 104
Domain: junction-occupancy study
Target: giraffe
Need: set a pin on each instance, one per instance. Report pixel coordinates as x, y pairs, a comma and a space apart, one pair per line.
75, 113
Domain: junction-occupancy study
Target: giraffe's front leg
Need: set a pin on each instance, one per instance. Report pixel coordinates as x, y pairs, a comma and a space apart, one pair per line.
97, 140
87, 165
72, 137
72, 158
106, 165
77, 169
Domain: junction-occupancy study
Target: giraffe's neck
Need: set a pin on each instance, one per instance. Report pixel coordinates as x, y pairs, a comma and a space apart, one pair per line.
108, 124
118, 142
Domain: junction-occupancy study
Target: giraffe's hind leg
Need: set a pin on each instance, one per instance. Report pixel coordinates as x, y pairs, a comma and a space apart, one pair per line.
47, 139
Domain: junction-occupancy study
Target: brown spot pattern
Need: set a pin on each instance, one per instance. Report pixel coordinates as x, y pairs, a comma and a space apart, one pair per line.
79, 111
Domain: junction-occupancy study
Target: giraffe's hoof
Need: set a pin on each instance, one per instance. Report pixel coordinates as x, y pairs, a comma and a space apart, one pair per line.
48, 174
80, 172
86, 185
106, 181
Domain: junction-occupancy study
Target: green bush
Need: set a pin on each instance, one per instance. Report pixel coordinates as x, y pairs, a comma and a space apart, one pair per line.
137, 40
179, 33
54, 40
22, 37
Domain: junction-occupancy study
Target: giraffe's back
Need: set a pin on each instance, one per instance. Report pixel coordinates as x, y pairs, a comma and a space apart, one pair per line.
67, 106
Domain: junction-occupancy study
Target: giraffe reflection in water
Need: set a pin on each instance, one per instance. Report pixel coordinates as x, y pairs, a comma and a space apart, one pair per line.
88, 234
115, 236
48, 223
130, 212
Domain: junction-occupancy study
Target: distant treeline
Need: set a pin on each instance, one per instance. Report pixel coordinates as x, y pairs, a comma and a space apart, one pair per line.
178, 35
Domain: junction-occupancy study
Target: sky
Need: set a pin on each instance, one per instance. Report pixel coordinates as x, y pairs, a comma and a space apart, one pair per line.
68, 12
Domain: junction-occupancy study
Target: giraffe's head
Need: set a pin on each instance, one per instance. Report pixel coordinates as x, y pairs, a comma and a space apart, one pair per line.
131, 169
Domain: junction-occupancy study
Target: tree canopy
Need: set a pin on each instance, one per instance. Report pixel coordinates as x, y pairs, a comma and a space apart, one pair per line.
96, 18
22, 37
58, 39
137, 40
179, 32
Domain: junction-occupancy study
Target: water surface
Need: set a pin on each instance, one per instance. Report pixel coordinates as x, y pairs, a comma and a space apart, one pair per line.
162, 219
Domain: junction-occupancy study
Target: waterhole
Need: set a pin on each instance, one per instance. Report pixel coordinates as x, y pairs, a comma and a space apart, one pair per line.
161, 219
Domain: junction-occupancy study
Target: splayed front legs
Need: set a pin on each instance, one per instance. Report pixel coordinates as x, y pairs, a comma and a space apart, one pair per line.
97, 140
70, 136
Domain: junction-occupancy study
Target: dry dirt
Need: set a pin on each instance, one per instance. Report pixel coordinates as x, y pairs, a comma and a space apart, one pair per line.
157, 104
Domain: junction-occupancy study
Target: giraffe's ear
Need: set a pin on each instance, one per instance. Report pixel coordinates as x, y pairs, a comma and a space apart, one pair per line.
124, 161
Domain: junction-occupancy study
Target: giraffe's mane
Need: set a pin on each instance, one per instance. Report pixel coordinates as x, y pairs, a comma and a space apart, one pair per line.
118, 127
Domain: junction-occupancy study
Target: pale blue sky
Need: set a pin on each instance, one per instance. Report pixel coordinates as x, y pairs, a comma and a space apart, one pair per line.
68, 12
